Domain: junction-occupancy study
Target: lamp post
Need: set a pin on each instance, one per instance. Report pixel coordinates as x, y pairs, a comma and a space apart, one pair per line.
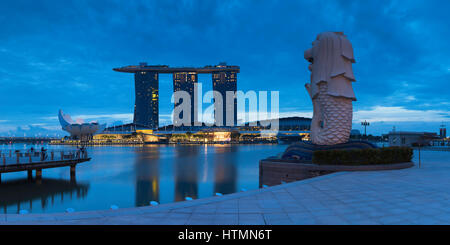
365, 124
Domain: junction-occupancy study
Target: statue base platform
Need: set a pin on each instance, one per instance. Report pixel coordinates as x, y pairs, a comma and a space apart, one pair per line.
303, 151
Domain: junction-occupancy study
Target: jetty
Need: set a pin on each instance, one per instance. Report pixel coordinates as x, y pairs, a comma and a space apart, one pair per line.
16, 161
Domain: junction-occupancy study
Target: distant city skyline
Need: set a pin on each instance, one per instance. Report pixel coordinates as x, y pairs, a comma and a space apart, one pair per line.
60, 54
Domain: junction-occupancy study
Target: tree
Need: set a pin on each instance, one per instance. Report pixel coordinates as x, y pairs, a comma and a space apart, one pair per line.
235, 135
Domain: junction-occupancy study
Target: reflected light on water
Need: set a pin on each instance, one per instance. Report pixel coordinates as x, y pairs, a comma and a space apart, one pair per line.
128, 176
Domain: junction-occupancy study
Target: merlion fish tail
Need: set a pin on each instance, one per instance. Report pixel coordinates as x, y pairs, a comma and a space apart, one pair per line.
336, 124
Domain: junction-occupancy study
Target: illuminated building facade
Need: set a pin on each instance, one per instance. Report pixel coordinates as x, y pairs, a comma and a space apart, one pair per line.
185, 78
146, 105
224, 81
442, 132
185, 81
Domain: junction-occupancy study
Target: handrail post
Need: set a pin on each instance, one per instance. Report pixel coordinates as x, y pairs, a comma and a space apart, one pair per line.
62, 155
17, 154
52, 155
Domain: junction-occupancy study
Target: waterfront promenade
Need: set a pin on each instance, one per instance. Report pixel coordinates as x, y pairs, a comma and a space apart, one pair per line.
408, 196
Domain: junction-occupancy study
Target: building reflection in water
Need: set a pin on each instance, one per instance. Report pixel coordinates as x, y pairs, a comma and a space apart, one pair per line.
225, 171
186, 161
22, 192
147, 174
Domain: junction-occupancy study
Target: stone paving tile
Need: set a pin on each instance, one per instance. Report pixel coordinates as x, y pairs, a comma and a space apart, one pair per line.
277, 219
80, 215
302, 219
391, 219
173, 222
250, 211
281, 222
226, 219
364, 222
156, 214
330, 220
29, 217
100, 221
184, 210
183, 216
206, 210
251, 219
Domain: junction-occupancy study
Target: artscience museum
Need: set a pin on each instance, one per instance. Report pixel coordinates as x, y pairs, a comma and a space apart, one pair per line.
78, 129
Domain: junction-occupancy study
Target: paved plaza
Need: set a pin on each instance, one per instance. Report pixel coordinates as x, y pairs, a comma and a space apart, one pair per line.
408, 196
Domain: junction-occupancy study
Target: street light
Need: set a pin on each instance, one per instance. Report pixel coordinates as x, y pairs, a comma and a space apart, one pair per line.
365, 124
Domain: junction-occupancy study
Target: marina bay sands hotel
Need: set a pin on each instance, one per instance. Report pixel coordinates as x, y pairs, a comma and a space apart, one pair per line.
146, 78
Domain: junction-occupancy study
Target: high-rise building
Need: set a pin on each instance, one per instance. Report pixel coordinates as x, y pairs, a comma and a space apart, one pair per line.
442, 132
224, 81
146, 105
185, 81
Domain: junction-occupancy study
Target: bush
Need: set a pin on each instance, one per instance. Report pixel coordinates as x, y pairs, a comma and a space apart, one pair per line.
385, 155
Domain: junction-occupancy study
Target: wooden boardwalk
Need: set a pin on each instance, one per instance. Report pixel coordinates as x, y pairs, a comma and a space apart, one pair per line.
15, 161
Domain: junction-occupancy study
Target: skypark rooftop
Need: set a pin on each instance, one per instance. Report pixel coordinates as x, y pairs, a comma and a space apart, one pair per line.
167, 69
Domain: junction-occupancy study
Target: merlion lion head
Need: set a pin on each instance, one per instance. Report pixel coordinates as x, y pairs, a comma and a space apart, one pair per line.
331, 56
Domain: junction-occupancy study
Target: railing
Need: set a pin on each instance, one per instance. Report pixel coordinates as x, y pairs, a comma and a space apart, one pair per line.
14, 157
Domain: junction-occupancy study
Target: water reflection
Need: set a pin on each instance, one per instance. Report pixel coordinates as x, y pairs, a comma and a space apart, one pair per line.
225, 171
135, 176
186, 171
22, 192
147, 175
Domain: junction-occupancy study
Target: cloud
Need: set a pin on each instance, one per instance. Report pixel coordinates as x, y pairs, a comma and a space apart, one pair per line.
400, 114
39, 129
59, 54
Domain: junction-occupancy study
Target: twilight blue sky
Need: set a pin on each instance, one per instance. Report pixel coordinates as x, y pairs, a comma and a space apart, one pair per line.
60, 54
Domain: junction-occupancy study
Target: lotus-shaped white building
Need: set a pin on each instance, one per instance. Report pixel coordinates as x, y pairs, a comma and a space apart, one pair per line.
79, 129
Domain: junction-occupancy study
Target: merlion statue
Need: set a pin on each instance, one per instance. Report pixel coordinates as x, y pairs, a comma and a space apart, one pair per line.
331, 92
